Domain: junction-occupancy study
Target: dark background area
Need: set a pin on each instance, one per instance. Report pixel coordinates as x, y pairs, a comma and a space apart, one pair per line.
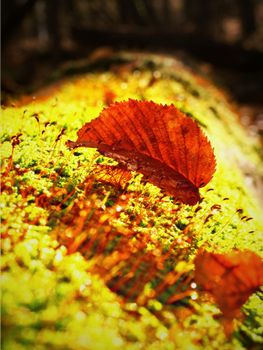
225, 36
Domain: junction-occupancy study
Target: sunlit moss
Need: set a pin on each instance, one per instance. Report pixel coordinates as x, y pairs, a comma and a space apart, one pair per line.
52, 300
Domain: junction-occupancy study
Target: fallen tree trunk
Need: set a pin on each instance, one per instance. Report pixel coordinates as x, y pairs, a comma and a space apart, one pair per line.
88, 251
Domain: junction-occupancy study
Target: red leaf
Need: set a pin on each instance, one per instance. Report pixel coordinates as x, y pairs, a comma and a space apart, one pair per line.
160, 142
229, 278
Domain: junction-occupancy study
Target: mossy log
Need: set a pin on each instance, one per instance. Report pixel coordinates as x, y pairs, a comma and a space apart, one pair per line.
88, 264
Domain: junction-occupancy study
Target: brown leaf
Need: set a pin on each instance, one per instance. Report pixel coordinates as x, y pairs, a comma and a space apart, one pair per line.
159, 141
230, 278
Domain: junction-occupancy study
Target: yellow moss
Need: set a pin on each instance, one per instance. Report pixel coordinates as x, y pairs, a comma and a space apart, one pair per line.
50, 299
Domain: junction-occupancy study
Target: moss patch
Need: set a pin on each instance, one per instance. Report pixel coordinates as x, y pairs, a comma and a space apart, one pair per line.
56, 300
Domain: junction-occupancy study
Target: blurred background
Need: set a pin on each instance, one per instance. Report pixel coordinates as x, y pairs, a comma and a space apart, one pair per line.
225, 36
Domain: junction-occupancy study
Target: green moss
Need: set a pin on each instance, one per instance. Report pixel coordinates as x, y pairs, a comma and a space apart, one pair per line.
52, 300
